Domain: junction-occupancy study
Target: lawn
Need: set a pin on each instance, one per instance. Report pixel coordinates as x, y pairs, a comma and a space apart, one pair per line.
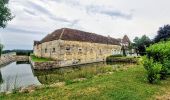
37, 59
127, 84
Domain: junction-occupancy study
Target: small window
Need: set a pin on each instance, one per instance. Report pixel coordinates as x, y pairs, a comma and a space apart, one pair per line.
68, 48
45, 50
53, 49
79, 50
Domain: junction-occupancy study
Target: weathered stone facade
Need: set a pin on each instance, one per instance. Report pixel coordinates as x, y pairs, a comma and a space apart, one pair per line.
71, 52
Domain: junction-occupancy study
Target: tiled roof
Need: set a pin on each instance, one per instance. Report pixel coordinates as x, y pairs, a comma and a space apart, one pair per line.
77, 35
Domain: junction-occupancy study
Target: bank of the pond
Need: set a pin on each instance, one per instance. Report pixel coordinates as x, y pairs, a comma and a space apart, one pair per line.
11, 57
129, 84
122, 59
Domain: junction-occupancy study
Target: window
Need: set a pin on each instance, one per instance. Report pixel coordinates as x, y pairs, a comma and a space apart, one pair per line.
45, 50
53, 50
68, 48
79, 50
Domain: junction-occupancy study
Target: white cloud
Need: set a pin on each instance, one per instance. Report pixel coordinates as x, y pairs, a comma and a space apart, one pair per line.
36, 18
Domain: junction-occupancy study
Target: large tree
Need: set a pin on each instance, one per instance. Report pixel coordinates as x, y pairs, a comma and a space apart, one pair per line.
5, 13
140, 44
163, 33
5, 16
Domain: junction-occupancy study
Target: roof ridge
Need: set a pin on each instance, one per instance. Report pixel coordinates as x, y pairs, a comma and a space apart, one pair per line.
62, 33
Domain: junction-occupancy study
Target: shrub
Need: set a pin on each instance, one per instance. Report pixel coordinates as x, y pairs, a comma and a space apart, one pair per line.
160, 53
165, 68
153, 70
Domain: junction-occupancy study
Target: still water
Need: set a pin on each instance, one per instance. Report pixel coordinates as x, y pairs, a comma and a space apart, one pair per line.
16, 75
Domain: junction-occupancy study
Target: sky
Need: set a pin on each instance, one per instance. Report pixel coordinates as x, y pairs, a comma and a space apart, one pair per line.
34, 19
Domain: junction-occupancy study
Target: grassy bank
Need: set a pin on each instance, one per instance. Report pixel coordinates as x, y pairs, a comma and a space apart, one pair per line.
37, 59
122, 59
70, 74
127, 84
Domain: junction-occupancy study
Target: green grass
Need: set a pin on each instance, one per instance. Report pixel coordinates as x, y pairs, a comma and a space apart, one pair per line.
37, 59
128, 84
69, 74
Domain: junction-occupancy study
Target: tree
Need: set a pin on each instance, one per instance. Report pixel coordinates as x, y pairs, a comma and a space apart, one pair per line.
124, 51
140, 44
1, 48
163, 34
5, 13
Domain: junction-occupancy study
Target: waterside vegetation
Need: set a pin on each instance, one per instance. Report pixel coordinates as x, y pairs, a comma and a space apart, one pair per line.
38, 59
116, 85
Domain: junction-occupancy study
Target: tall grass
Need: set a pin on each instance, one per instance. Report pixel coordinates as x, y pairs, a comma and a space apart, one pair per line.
69, 74
10, 84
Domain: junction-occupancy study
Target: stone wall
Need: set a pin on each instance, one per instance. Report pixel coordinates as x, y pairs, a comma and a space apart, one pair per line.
11, 57
74, 52
43, 65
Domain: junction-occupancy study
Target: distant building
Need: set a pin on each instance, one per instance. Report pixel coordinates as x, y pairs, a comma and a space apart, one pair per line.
125, 41
70, 46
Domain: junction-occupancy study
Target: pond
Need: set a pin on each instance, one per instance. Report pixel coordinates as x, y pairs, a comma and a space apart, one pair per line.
16, 75
21, 74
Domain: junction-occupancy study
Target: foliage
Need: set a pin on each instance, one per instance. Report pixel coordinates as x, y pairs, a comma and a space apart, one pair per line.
5, 13
1, 48
159, 52
140, 44
122, 59
38, 59
117, 55
124, 51
153, 70
163, 34
19, 52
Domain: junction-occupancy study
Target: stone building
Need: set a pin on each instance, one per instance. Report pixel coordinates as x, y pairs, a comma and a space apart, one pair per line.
126, 43
70, 46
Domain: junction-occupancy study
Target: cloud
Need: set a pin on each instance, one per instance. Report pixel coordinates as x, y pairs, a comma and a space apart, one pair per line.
110, 11
30, 12
23, 31
36, 18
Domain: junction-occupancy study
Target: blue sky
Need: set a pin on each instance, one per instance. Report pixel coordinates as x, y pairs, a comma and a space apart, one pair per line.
34, 19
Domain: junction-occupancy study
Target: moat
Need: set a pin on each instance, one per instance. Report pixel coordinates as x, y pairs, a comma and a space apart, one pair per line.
21, 74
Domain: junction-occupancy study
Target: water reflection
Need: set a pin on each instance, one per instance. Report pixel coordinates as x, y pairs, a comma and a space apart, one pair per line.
16, 75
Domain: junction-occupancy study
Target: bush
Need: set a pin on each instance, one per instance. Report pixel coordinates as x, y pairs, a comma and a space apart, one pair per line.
153, 70
160, 52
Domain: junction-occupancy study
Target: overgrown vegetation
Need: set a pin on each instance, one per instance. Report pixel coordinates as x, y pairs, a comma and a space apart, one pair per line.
77, 72
157, 62
120, 58
38, 59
